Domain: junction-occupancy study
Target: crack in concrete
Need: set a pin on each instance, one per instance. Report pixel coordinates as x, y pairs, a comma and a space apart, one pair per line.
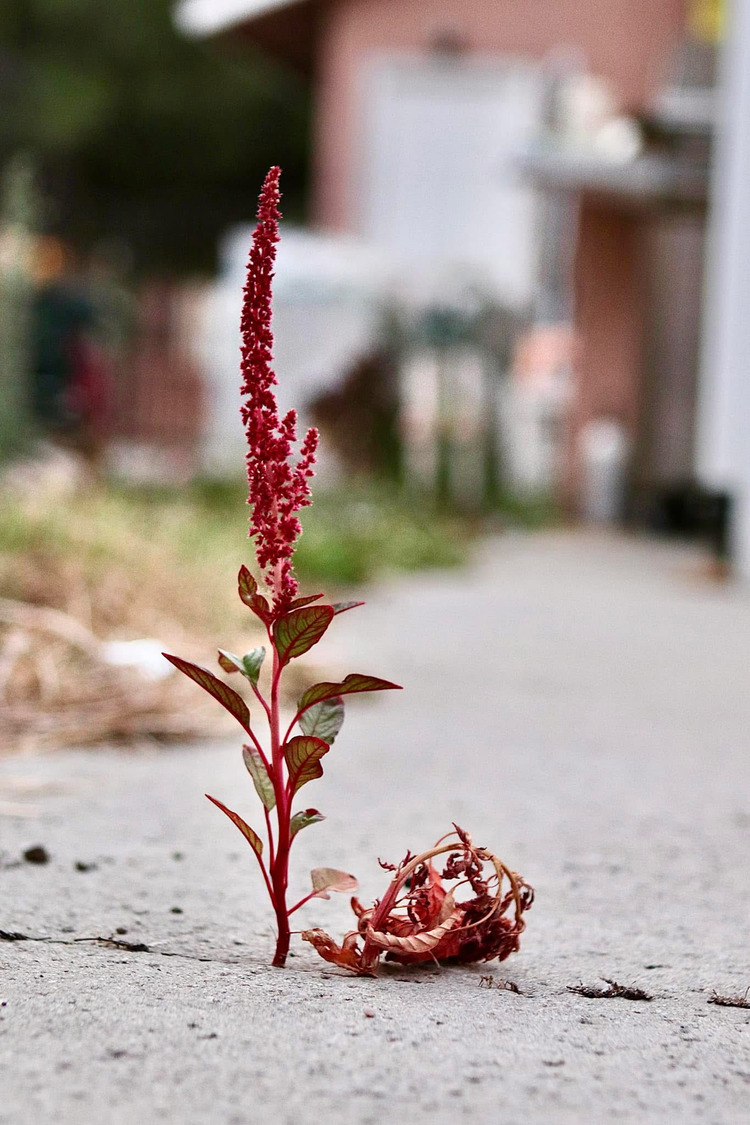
111, 943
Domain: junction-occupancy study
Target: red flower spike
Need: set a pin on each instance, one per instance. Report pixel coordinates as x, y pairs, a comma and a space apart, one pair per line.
277, 486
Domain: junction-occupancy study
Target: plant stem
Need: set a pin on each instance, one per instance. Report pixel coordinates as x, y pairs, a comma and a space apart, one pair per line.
301, 902
280, 866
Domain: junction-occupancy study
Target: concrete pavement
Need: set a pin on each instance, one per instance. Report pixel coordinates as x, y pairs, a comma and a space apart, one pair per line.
581, 705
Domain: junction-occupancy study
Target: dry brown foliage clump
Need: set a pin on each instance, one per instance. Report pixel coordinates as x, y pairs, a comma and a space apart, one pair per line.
420, 918
60, 687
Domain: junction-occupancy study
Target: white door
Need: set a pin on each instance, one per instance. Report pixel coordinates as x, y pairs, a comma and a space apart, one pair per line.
440, 183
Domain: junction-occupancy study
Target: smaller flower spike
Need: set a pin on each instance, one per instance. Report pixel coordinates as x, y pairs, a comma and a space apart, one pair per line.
277, 486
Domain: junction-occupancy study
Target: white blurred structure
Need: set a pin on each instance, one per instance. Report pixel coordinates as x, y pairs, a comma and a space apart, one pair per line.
440, 187
604, 456
205, 17
328, 296
724, 421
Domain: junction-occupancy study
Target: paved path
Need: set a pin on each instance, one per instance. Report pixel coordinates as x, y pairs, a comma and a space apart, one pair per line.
582, 706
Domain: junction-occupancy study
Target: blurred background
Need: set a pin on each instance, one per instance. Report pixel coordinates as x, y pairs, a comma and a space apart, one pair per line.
510, 290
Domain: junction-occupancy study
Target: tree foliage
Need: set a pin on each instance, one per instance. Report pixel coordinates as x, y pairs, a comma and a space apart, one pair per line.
140, 132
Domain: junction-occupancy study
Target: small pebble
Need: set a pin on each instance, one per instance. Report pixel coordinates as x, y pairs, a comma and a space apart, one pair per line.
37, 854
369, 1013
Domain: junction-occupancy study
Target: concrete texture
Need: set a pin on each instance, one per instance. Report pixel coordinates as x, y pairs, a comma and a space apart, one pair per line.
582, 706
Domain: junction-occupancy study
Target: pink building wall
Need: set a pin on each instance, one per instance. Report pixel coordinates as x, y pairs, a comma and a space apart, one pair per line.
629, 42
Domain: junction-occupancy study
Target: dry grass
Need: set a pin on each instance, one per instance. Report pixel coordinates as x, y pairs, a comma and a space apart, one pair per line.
82, 564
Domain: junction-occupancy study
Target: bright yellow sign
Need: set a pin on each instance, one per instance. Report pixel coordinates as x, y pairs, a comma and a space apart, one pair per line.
707, 20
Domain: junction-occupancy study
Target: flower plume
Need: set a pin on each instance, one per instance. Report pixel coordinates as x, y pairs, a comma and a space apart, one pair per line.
277, 484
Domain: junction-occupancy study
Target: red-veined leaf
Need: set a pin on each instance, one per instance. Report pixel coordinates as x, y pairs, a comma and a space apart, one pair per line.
256, 767
301, 820
299, 630
226, 696
353, 683
342, 607
249, 665
252, 838
299, 602
248, 590
325, 879
228, 662
324, 720
303, 756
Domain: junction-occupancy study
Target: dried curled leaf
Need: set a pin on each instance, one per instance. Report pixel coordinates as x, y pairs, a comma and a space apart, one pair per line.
422, 942
419, 919
345, 956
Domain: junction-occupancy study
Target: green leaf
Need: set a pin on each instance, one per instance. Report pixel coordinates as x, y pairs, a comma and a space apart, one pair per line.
226, 696
301, 820
303, 755
248, 590
256, 767
342, 607
252, 838
249, 664
353, 683
326, 879
324, 720
252, 662
299, 630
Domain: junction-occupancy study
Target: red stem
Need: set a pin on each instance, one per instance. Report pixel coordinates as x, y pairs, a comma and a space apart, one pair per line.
265, 876
280, 866
301, 902
261, 699
269, 830
258, 746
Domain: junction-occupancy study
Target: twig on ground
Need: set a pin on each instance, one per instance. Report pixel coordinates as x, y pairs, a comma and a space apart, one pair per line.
615, 991
731, 1001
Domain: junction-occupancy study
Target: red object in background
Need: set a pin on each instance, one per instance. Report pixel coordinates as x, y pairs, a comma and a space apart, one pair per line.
90, 392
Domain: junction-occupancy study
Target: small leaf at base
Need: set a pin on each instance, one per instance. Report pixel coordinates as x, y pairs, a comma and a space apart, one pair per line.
325, 879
